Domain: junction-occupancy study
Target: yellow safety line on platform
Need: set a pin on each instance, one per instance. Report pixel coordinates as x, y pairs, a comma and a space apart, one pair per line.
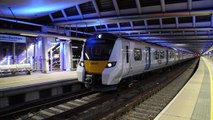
211, 91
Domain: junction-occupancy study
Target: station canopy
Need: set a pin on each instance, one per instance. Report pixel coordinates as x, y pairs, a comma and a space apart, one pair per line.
182, 24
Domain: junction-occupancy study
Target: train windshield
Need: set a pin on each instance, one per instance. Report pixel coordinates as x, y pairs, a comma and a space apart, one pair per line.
98, 49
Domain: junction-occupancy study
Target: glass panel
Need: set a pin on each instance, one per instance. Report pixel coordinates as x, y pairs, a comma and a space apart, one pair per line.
156, 54
98, 49
162, 54
137, 54
97, 52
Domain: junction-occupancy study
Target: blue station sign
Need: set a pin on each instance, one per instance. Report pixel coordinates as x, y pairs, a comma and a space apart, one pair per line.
12, 38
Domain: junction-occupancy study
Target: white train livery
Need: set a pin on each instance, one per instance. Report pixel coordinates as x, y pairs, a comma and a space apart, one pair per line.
106, 59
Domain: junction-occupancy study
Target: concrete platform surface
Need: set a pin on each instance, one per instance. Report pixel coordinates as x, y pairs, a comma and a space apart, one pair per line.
194, 101
35, 79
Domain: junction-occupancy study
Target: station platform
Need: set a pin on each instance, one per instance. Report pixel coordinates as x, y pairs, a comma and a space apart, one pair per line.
21, 81
195, 100
15, 90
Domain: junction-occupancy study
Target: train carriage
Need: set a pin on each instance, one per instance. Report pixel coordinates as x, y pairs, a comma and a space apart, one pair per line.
107, 59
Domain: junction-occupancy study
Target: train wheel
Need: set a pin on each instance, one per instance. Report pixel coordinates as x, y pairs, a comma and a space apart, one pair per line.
88, 82
125, 83
29, 72
13, 73
87, 85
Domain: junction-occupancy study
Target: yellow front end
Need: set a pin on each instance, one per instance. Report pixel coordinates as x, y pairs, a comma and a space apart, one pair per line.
95, 67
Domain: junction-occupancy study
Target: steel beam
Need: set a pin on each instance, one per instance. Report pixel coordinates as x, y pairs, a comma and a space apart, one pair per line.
47, 28
51, 17
106, 27
21, 22
176, 22
119, 27
95, 28
131, 24
64, 14
106, 20
190, 4
161, 23
194, 21
33, 33
96, 8
166, 37
116, 7
163, 8
138, 6
79, 11
159, 30
211, 20
146, 24
75, 31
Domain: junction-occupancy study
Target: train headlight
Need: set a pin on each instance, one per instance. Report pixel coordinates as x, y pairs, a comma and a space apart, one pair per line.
111, 64
81, 63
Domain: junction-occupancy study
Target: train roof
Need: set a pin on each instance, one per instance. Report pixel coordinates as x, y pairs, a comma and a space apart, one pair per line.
114, 37
146, 43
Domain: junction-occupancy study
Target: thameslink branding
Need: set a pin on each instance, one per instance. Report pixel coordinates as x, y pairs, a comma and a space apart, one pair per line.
12, 38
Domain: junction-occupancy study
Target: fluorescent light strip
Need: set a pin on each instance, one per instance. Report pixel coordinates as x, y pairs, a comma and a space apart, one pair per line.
31, 35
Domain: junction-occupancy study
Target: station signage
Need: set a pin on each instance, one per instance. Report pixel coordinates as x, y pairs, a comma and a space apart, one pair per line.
12, 38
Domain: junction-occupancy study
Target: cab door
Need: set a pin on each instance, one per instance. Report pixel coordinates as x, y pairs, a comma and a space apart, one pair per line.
126, 57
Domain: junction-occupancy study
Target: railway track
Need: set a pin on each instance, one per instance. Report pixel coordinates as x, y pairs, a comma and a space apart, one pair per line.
54, 110
111, 105
144, 107
24, 110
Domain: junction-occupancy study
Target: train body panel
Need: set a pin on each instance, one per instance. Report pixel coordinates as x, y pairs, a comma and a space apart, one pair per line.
81, 74
157, 58
107, 59
171, 57
135, 59
81, 70
112, 75
125, 58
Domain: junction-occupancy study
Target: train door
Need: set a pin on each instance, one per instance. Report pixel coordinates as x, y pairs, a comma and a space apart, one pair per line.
167, 57
175, 56
147, 58
178, 55
126, 58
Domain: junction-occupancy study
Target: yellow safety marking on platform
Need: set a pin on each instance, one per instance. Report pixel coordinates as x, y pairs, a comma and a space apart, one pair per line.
211, 91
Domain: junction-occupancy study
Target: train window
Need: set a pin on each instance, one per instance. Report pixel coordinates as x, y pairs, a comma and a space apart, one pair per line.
162, 54
98, 52
137, 54
156, 54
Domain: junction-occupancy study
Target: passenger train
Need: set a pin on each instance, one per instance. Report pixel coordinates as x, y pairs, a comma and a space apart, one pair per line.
108, 59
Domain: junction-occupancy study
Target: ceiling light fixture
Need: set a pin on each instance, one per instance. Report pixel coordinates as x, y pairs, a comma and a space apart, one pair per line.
26, 34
